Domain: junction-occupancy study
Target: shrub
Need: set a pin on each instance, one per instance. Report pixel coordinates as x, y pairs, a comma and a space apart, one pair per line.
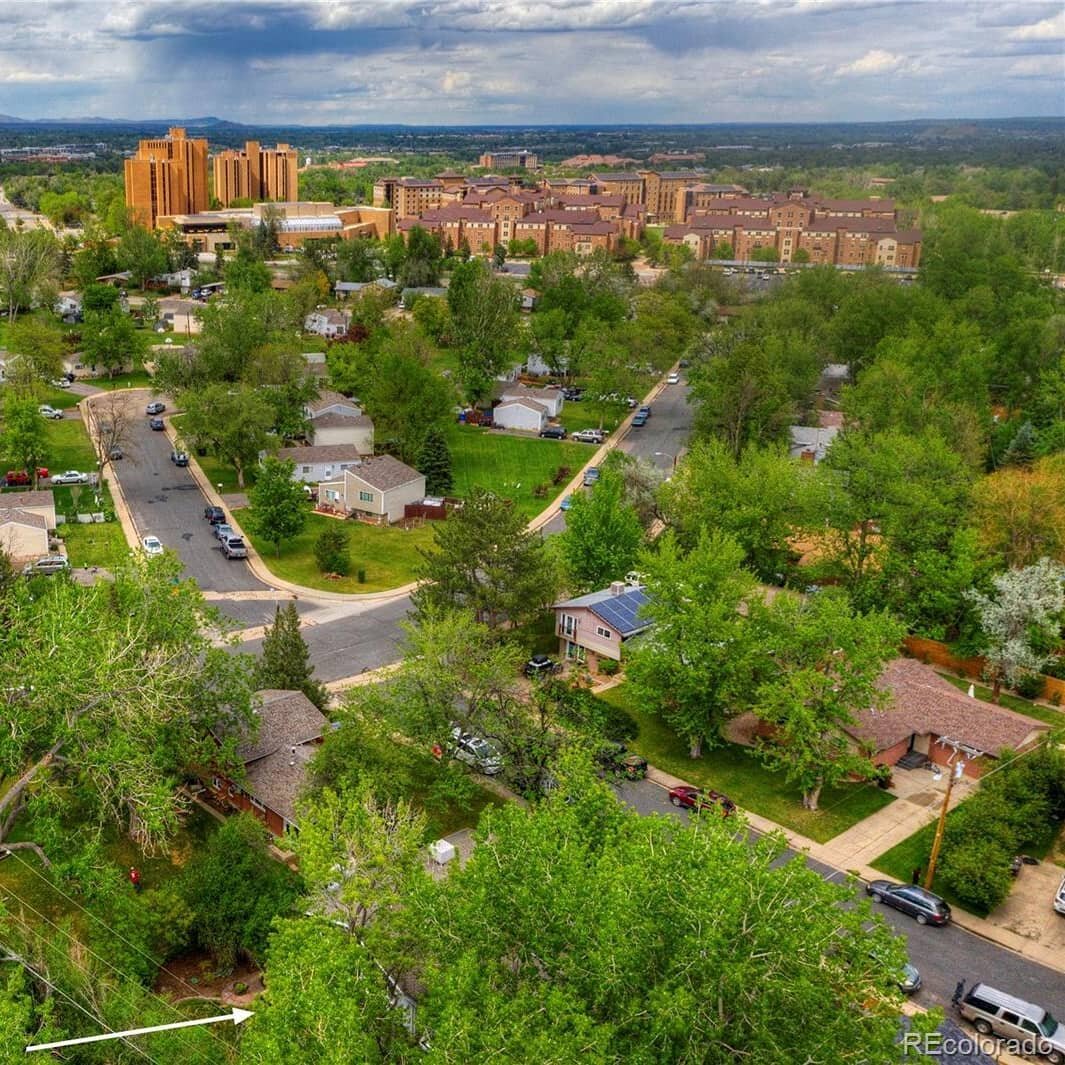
540, 491
978, 872
360, 576
561, 474
617, 724
332, 550
1029, 686
608, 667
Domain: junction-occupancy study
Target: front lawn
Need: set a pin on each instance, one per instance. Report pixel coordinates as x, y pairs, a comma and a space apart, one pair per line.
69, 447
591, 414
511, 466
736, 771
388, 554
138, 378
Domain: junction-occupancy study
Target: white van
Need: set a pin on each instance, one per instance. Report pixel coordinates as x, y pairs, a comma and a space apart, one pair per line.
1059, 898
1031, 1026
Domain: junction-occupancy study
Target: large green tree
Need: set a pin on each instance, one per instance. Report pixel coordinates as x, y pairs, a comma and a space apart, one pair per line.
232, 423
109, 339
142, 253
286, 661
23, 435
278, 504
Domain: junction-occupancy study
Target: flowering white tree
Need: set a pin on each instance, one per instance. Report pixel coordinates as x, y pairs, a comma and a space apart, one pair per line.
1022, 617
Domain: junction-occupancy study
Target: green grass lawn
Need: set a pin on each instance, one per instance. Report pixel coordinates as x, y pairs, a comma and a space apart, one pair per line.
511, 466
591, 414
1046, 714
388, 554
60, 398
737, 772
69, 447
139, 378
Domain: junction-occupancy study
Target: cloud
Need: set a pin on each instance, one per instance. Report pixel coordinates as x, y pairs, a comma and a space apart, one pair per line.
875, 61
1048, 29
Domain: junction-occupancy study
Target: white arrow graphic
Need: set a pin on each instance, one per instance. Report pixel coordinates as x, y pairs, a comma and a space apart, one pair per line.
237, 1016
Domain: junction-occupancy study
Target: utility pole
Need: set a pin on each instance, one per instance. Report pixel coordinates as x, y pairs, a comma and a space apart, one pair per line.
956, 772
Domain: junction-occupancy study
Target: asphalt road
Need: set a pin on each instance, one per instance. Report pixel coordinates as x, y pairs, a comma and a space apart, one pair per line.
661, 441
942, 955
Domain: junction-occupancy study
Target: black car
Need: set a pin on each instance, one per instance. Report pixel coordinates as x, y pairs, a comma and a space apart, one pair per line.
923, 906
574, 395
540, 666
215, 515
156, 425
553, 432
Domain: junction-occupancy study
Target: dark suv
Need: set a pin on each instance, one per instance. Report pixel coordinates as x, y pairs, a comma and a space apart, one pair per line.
553, 432
541, 666
215, 515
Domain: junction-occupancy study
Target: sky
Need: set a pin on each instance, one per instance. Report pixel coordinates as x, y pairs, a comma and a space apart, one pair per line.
515, 62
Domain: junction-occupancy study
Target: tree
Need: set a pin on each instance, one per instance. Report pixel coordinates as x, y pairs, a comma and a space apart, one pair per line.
641, 480
696, 668
113, 426
723, 250
421, 264
434, 317
1021, 624
356, 260
434, 461
143, 254
484, 560
23, 437
39, 346
602, 536
825, 662
484, 311
145, 680
109, 339
278, 503
1021, 450
332, 549
763, 255
499, 256
233, 423
100, 298
1020, 513
285, 664
800, 255
29, 268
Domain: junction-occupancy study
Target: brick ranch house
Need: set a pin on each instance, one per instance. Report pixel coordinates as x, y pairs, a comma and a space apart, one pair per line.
928, 715
275, 763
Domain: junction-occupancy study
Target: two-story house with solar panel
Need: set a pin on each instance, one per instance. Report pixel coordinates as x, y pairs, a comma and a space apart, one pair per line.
598, 625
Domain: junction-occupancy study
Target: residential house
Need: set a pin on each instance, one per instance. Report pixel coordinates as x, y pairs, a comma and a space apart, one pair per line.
327, 322
325, 462
26, 518
275, 757
550, 398
811, 442
335, 419
378, 487
520, 413
598, 625
928, 716
317, 366
68, 307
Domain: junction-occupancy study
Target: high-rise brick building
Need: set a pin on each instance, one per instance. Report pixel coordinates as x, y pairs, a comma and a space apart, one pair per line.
256, 173
167, 176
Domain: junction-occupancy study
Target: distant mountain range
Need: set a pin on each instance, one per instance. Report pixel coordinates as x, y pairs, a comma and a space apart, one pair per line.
96, 120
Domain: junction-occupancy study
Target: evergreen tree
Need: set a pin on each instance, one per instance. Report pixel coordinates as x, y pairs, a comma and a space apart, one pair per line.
1021, 451
435, 462
332, 549
285, 664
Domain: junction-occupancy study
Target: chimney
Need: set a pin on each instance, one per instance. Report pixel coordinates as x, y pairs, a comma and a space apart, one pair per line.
292, 755
618, 587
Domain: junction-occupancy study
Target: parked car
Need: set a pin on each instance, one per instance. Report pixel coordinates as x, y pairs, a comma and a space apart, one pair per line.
923, 906
645, 411
116, 453
909, 979
222, 530
214, 515
615, 758
234, 547
673, 378
590, 436
60, 382
639, 421
155, 407
591, 476
567, 502
70, 477
553, 432
45, 411
540, 666
994, 1011
48, 564
152, 546
156, 425
179, 458
574, 395
684, 796
476, 752
1059, 898
17, 478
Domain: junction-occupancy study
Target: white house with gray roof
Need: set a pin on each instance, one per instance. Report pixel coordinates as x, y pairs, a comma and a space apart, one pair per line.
324, 462
335, 419
380, 487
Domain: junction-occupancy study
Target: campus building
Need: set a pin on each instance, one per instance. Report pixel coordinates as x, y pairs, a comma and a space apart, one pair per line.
255, 173
167, 176
509, 158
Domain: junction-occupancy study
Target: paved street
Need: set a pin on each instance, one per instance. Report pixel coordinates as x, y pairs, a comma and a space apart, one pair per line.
943, 955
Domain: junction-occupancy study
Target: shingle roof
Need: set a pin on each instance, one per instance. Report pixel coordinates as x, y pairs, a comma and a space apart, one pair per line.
277, 780
335, 419
621, 611
521, 401
320, 453
327, 398
384, 472
923, 702
549, 395
21, 500
15, 516
285, 718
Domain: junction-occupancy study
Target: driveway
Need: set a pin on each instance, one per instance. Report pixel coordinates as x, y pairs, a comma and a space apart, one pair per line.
943, 955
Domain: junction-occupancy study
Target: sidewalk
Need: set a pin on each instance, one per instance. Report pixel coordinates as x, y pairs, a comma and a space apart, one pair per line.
846, 861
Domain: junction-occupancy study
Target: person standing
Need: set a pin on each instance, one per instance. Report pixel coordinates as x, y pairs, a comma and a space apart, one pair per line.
135, 878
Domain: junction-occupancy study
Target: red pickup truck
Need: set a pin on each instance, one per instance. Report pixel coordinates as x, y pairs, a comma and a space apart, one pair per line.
17, 478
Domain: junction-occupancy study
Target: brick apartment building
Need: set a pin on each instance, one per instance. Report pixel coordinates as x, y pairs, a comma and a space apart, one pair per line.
166, 176
840, 232
508, 159
256, 173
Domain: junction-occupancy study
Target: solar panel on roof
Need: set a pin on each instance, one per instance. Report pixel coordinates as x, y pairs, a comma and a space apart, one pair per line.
621, 611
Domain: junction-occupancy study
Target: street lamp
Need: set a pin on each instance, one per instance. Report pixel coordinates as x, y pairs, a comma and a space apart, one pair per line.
956, 773
667, 455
